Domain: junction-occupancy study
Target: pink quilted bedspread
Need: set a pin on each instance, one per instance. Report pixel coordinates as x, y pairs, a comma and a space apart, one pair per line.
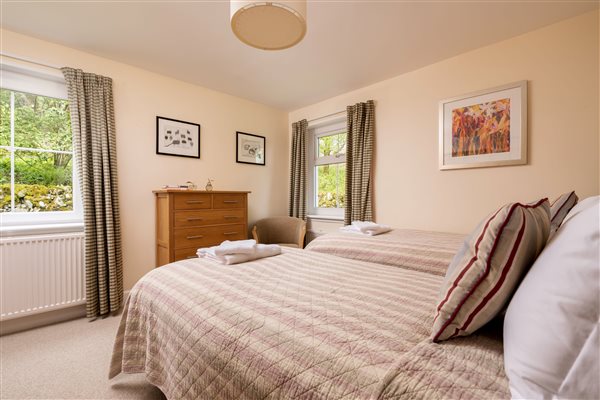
301, 325
411, 249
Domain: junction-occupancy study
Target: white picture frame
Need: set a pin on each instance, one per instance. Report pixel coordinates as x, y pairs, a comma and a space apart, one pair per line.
487, 128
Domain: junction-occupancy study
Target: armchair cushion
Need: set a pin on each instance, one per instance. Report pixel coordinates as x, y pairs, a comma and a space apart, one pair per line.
286, 231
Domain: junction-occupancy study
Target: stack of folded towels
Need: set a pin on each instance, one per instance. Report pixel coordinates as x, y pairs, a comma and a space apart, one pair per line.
238, 251
366, 228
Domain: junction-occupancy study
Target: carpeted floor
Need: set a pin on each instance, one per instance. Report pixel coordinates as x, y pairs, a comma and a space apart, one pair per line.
67, 361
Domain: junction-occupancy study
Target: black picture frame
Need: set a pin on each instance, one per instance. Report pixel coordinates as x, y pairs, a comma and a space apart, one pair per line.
250, 148
188, 143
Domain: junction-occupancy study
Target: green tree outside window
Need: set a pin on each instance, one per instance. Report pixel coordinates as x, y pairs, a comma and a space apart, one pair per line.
331, 178
40, 152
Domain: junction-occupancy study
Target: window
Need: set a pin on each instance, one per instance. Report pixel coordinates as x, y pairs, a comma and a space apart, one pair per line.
327, 168
37, 183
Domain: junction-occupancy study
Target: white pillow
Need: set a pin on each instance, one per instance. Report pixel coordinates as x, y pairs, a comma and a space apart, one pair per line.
551, 337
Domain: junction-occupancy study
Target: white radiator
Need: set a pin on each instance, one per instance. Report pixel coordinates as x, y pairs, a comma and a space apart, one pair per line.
41, 273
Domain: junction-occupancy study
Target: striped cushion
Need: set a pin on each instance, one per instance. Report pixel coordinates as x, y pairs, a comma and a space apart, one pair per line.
488, 268
560, 208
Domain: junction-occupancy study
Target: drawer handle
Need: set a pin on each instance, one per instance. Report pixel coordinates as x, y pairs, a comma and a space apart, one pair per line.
230, 217
194, 237
195, 201
195, 219
229, 233
188, 257
230, 201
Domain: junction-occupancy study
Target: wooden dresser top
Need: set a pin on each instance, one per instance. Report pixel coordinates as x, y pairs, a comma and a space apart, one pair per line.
199, 191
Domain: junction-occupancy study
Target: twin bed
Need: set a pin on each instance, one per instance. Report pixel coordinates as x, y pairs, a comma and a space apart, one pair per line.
349, 317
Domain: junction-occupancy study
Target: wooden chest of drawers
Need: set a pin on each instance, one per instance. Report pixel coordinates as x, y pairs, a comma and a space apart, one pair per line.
189, 219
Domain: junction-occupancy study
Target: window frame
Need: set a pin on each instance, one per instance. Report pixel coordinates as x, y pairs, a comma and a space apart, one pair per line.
19, 78
328, 128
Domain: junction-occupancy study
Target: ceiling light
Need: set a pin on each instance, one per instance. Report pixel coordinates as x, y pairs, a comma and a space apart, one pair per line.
269, 25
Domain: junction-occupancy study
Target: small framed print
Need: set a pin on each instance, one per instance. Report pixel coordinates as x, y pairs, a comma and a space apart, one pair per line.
484, 129
177, 138
250, 149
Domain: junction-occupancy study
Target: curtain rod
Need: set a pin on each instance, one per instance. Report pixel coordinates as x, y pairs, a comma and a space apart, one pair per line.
326, 116
29, 61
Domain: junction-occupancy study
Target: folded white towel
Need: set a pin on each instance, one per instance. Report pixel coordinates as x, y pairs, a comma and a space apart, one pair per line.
236, 247
261, 251
366, 228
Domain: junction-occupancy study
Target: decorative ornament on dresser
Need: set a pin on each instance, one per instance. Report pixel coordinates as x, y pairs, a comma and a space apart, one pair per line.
484, 129
250, 149
191, 185
209, 186
177, 138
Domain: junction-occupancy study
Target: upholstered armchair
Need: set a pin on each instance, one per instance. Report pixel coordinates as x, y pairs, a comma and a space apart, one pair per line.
284, 231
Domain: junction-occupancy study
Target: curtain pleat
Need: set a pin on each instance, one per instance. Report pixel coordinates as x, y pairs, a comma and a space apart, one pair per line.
297, 204
359, 162
94, 141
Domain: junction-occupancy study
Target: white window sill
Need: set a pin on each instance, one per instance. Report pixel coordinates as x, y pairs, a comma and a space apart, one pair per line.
24, 230
326, 217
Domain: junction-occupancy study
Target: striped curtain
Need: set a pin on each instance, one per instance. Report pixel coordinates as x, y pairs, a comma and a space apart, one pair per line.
359, 162
94, 141
297, 206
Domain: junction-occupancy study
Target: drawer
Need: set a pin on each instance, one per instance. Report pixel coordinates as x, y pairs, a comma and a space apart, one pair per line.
208, 236
184, 254
229, 200
208, 217
192, 201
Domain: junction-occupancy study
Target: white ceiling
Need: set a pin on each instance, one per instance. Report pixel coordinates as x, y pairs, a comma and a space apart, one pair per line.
349, 44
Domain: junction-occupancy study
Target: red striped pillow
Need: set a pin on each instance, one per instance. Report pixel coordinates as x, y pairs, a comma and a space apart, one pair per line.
488, 268
560, 208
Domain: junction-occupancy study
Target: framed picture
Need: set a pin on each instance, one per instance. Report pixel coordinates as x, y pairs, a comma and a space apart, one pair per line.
484, 129
250, 149
177, 138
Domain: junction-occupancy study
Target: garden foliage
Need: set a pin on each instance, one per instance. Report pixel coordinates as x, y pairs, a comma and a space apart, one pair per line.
43, 180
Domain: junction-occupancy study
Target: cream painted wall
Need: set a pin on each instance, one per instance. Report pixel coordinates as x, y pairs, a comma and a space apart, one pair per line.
562, 66
139, 97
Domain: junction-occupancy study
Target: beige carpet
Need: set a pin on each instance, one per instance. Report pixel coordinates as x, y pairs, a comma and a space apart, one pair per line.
67, 361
